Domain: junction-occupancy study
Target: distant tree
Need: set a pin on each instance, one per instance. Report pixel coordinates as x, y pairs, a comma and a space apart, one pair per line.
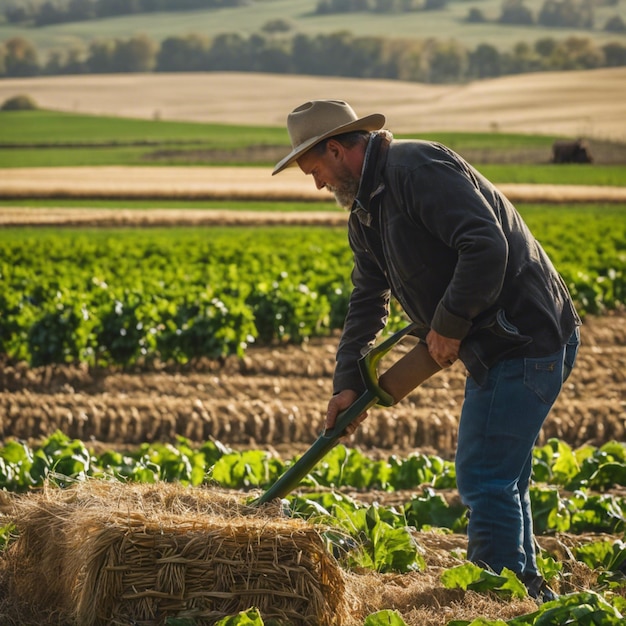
614, 54
521, 59
269, 55
326, 7
19, 13
21, 102
435, 5
183, 54
615, 24
50, 13
448, 61
545, 46
81, 10
101, 57
111, 8
228, 53
579, 53
566, 14
475, 16
20, 57
277, 26
54, 63
485, 62
516, 12
334, 54
137, 54
75, 62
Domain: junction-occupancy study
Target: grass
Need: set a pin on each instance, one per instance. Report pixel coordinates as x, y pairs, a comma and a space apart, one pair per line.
53, 139
550, 174
54, 127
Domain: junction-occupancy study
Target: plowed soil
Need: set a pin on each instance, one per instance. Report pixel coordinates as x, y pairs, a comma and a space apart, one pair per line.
276, 397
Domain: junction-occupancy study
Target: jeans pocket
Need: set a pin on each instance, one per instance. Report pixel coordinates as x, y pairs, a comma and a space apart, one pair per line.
543, 376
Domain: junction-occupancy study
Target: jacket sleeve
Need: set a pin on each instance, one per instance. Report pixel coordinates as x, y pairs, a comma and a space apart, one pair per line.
368, 310
449, 202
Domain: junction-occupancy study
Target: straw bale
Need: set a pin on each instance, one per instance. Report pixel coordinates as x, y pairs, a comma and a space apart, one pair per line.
107, 553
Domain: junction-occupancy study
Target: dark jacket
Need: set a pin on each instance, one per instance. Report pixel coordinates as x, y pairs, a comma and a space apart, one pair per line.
431, 230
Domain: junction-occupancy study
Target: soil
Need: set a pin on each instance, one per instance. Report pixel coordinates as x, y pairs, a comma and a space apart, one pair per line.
276, 397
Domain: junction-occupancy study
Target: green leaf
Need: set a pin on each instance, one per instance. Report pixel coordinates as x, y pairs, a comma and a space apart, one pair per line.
477, 622
251, 617
475, 578
384, 618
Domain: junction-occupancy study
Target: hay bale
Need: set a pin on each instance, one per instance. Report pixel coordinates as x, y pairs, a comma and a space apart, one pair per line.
108, 553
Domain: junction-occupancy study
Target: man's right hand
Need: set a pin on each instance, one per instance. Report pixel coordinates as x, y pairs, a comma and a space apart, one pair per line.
338, 403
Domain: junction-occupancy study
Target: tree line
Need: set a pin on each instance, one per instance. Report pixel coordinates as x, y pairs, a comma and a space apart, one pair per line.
337, 54
552, 14
47, 12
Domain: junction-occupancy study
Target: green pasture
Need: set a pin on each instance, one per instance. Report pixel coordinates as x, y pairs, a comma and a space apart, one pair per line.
448, 24
53, 139
50, 128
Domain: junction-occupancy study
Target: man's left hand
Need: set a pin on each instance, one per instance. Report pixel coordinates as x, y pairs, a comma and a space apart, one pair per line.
444, 350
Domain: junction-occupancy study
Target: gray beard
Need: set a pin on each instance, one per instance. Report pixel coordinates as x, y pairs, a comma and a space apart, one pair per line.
345, 192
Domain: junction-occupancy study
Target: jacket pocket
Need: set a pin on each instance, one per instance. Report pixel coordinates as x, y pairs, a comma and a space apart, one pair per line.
494, 339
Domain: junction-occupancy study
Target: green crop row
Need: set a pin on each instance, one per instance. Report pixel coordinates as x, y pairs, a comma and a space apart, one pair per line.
119, 297
591, 472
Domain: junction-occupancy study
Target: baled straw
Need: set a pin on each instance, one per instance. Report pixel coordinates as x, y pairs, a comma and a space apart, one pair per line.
106, 553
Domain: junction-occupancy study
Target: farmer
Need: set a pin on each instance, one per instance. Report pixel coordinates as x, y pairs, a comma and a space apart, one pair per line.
427, 228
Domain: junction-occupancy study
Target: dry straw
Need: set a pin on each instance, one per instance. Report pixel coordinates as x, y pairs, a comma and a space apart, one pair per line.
107, 553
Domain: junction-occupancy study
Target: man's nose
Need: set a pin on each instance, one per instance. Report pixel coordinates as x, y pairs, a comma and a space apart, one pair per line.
318, 182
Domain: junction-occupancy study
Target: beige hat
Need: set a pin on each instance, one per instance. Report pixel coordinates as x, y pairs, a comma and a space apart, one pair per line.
317, 120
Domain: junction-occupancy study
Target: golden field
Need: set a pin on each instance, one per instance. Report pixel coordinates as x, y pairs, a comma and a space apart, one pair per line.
586, 103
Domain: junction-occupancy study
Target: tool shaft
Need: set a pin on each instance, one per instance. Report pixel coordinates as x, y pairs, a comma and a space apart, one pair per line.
323, 444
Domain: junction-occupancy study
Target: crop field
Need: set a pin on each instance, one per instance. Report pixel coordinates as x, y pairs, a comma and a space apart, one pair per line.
167, 337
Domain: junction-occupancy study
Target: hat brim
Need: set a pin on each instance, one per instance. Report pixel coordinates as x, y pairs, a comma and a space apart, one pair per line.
370, 122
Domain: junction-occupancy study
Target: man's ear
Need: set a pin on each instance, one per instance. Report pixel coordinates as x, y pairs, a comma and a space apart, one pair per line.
335, 148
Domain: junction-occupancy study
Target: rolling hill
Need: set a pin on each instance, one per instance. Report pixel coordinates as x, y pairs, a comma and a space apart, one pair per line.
577, 103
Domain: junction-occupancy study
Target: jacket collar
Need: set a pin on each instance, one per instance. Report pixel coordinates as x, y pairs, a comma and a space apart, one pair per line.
371, 174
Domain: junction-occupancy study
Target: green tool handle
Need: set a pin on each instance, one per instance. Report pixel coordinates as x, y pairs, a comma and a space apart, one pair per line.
322, 445
374, 394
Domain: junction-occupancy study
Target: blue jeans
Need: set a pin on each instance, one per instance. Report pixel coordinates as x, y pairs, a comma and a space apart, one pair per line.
499, 426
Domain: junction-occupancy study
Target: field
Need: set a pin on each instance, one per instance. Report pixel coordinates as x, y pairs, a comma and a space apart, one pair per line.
250, 18
544, 103
95, 294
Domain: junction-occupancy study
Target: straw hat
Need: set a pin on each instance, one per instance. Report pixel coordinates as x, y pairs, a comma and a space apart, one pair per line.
317, 120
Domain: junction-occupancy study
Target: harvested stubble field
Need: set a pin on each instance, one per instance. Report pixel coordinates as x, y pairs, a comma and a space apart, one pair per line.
574, 103
275, 397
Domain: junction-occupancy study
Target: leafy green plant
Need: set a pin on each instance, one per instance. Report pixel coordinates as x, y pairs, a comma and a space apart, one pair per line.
119, 298
384, 618
7, 534
381, 545
475, 578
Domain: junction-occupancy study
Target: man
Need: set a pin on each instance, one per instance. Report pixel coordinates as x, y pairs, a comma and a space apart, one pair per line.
427, 228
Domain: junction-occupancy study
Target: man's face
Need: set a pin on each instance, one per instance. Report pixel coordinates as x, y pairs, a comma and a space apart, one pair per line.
333, 173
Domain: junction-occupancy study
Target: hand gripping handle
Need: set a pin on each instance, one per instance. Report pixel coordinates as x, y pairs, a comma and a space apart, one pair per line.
326, 441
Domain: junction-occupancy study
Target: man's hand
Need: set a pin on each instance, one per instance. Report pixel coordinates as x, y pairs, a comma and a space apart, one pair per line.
338, 403
444, 350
